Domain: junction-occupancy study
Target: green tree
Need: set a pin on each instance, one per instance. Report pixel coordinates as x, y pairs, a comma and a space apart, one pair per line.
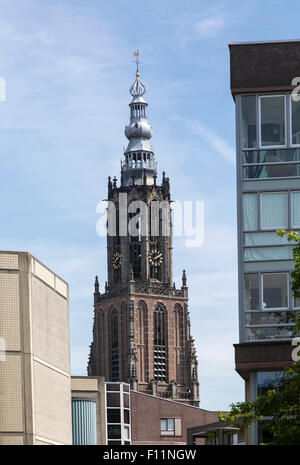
283, 402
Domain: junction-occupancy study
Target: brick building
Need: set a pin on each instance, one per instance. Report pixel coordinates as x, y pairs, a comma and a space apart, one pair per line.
141, 332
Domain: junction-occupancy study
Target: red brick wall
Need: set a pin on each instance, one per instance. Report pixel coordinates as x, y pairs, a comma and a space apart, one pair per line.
146, 412
176, 368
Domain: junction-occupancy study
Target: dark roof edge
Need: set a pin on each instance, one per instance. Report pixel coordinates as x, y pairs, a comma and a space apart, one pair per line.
264, 42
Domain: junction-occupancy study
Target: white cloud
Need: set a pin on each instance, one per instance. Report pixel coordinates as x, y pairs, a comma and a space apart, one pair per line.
220, 145
211, 138
210, 27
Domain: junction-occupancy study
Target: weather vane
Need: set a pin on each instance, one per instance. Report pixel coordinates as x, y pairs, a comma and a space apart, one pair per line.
137, 61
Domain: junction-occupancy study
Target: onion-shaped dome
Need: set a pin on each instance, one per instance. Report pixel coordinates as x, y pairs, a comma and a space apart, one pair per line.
137, 89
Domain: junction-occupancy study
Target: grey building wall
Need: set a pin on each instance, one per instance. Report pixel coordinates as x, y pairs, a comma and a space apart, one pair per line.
35, 382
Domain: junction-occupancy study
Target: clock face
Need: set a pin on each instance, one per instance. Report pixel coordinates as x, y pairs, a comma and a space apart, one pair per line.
116, 261
155, 257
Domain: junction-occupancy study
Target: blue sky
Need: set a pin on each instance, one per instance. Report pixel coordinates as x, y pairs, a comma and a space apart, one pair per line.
68, 67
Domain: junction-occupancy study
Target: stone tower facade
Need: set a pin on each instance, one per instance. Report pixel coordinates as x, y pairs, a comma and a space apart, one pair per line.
141, 330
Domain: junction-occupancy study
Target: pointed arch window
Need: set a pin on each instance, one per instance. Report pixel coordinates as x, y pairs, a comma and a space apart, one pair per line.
124, 342
143, 340
114, 346
160, 354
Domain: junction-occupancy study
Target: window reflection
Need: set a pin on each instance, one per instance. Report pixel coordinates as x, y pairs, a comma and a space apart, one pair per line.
269, 380
295, 109
272, 116
275, 290
269, 163
280, 332
251, 292
249, 121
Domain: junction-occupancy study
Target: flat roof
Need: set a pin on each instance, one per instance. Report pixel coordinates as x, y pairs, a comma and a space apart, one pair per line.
263, 42
267, 66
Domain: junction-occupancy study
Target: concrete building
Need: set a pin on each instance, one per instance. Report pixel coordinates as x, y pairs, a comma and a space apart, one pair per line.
141, 332
268, 198
35, 381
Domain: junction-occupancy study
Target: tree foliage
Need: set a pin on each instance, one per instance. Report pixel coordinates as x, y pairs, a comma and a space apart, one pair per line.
281, 403
293, 236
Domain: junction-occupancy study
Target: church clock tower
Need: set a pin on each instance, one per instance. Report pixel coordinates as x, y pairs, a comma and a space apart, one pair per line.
141, 331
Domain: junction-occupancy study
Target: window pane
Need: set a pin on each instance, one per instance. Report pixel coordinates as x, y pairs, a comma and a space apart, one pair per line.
274, 210
270, 318
251, 292
171, 424
254, 254
269, 380
113, 400
281, 332
126, 400
275, 290
296, 209
264, 435
271, 171
114, 431
126, 432
295, 107
249, 121
272, 115
264, 238
167, 426
163, 425
250, 211
126, 417
113, 387
271, 156
113, 415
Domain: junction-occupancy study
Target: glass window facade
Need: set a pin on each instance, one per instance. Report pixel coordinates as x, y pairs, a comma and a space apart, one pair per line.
269, 313
118, 413
269, 150
263, 214
84, 422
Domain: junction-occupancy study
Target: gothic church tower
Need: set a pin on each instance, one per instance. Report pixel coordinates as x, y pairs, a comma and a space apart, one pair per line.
141, 332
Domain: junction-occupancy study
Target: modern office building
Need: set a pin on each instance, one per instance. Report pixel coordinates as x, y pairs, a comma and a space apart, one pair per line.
268, 198
141, 332
35, 380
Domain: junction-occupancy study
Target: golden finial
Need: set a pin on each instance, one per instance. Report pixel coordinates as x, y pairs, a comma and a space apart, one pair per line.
137, 61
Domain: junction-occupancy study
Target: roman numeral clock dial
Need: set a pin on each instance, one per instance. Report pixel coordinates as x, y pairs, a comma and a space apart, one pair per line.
155, 257
116, 261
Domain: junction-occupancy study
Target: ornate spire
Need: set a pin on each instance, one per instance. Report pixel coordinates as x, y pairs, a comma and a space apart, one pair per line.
96, 285
137, 89
184, 278
139, 157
